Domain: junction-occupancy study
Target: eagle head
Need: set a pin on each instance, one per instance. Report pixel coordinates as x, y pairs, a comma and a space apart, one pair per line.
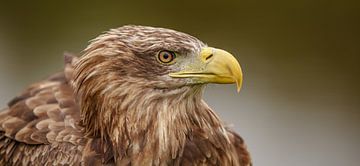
156, 58
136, 81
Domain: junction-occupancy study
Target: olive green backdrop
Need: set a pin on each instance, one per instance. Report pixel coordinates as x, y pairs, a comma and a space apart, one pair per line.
300, 103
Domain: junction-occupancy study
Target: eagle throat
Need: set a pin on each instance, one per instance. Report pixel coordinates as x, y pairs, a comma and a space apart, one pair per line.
150, 125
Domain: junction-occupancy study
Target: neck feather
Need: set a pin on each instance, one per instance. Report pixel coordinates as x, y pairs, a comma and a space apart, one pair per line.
152, 122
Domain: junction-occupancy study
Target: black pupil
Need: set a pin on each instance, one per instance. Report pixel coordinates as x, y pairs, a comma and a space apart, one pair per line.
166, 56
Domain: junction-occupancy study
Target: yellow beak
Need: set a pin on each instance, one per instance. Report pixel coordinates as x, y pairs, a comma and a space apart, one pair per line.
214, 66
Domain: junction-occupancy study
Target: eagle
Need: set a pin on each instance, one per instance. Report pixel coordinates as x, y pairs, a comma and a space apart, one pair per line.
133, 96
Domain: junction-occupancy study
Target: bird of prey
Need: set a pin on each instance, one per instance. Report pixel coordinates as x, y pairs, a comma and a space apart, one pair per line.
132, 97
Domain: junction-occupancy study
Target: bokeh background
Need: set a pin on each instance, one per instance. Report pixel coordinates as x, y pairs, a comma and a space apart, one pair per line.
300, 103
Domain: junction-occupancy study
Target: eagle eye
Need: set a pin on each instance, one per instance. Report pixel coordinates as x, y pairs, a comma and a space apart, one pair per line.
166, 57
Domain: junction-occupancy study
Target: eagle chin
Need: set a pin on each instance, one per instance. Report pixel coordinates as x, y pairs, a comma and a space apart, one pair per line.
133, 97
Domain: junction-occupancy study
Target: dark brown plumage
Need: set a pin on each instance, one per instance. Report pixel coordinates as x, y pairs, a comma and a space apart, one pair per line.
117, 104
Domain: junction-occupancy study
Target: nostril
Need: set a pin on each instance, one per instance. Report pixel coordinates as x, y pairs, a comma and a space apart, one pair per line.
208, 57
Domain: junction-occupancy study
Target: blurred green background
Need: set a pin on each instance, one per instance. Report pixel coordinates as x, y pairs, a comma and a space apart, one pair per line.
300, 103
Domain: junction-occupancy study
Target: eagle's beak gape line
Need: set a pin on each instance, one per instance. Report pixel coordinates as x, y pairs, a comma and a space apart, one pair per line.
215, 66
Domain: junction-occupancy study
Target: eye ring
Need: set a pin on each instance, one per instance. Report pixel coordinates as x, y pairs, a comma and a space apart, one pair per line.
166, 57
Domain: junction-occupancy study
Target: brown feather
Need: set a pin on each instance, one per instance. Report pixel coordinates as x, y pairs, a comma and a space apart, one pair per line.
113, 106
